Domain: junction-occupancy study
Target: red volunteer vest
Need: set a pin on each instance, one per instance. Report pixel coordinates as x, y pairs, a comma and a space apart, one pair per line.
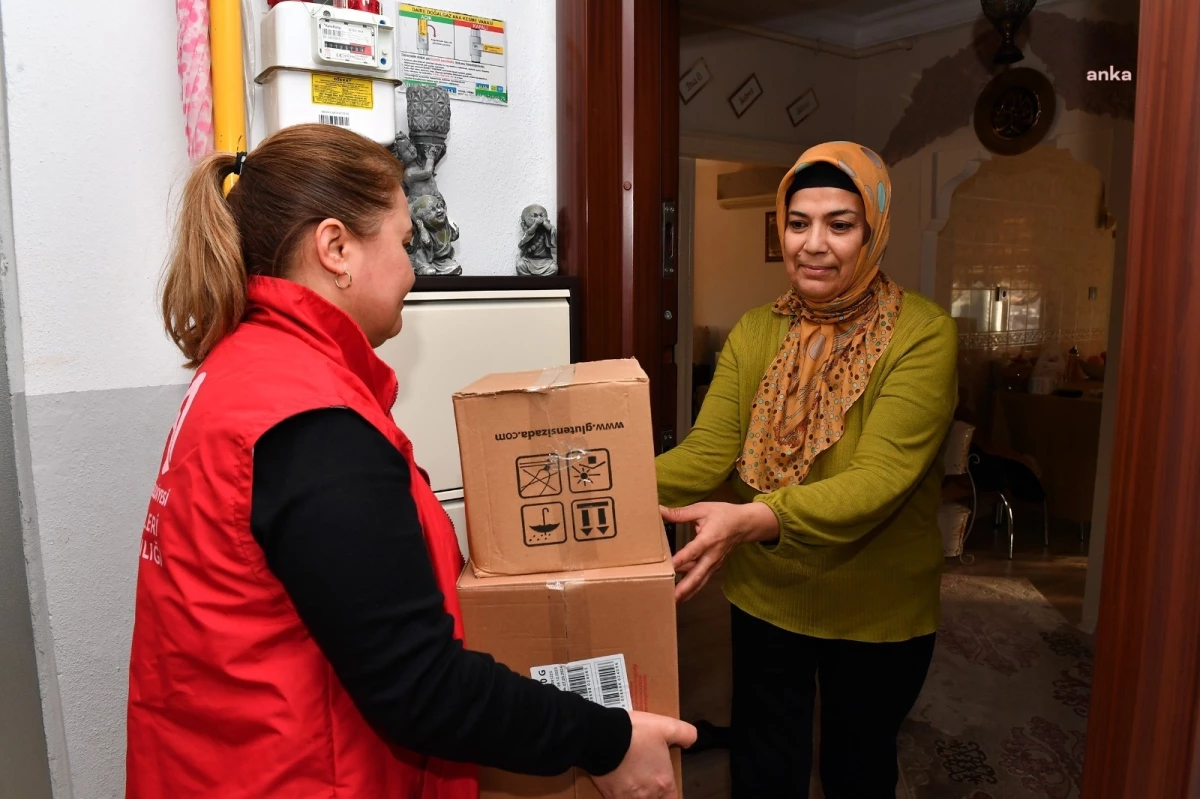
228, 694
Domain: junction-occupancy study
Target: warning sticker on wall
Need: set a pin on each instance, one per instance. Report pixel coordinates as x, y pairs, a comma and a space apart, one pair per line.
462, 53
604, 680
343, 91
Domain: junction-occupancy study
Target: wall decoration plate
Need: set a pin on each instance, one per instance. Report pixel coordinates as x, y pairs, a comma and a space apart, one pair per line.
1014, 111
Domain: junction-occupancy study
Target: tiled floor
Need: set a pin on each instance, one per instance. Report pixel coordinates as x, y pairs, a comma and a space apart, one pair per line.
705, 673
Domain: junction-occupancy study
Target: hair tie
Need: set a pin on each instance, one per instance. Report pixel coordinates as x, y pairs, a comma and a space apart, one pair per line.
239, 162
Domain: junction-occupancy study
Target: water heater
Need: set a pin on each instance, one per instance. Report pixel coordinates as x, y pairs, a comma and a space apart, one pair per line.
331, 65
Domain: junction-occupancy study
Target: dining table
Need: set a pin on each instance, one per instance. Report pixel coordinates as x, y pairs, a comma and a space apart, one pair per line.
1061, 435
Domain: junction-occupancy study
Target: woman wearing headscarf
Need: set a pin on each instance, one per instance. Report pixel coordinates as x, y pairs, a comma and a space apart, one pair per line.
828, 408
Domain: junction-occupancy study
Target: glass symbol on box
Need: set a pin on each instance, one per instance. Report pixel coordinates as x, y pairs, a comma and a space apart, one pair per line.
539, 476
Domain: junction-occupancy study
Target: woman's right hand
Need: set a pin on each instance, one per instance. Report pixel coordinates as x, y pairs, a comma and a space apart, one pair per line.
647, 771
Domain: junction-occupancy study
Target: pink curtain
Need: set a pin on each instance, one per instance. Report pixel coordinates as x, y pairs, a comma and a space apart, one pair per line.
195, 75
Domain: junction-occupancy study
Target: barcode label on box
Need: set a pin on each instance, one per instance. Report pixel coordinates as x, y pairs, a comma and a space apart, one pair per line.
604, 680
341, 120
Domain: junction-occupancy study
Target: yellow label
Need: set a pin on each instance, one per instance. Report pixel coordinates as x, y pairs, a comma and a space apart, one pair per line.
343, 91
493, 48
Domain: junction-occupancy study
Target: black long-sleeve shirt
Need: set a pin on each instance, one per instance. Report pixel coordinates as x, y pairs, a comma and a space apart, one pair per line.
331, 509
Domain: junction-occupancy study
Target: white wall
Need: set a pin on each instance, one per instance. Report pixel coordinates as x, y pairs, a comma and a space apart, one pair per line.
730, 272
886, 83
24, 768
785, 72
861, 100
93, 161
95, 157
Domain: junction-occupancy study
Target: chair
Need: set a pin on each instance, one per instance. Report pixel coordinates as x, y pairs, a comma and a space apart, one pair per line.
1011, 476
954, 518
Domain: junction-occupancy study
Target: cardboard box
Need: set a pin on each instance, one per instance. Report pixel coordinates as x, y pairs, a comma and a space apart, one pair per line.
538, 625
558, 469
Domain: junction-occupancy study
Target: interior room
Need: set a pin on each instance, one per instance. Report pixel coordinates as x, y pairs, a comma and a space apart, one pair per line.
1019, 242
537, 226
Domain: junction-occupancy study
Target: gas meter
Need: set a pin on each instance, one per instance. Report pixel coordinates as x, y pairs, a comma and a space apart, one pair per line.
329, 64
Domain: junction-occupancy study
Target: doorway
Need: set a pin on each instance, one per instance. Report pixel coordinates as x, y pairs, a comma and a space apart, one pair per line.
730, 262
1020, 598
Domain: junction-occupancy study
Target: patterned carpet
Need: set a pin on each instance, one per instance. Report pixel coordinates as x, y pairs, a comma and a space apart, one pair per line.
1004, 709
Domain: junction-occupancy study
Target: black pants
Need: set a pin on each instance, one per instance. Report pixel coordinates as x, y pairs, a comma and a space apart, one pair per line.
866, 691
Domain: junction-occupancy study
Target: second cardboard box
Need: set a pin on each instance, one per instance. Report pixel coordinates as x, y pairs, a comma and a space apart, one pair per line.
605, 634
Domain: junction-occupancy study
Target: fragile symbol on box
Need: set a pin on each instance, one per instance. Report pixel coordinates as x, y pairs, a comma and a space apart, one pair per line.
594, 519
590, 471
543, 524
538, 476
602, 680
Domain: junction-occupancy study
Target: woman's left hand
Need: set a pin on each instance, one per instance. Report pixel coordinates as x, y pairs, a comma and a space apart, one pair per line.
720, 526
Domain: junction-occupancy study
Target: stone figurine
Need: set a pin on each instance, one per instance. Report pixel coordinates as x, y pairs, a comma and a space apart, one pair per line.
538, 245
421, 150
432, 247
418, 168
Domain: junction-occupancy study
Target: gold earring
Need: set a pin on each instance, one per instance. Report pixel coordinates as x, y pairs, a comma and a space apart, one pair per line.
337, 281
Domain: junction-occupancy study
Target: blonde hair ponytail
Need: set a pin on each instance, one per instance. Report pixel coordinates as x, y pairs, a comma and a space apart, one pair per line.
286, 186
204, 292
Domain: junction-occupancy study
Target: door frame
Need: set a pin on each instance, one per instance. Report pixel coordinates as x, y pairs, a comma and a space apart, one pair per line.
1143, 738
618, 184
685, 346
1144, 718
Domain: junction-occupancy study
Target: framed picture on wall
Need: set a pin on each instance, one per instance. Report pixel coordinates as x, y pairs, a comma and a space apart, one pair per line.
774, 249
802, 107
746, 95
692, 81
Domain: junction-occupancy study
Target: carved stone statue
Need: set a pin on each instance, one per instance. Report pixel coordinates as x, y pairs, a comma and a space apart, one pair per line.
421, 150
432, 247
418, 167
539, 243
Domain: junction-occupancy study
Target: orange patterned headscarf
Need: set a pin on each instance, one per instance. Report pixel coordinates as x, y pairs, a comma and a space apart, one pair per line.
831, 348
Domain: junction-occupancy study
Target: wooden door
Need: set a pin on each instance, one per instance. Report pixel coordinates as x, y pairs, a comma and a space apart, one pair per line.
618, 143
1142, 725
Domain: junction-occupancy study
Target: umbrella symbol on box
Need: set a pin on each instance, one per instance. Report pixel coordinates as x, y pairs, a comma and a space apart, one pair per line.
543, 524
544, 527
594, 519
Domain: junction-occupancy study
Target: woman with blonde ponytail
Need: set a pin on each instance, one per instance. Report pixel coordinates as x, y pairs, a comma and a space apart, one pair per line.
297, 630
205, 289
